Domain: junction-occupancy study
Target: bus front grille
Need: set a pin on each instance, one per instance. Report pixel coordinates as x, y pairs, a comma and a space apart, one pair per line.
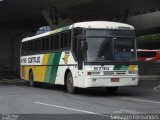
114, 72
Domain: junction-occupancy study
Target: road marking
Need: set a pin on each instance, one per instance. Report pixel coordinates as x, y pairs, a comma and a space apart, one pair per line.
141, 100
73, 109
157, 88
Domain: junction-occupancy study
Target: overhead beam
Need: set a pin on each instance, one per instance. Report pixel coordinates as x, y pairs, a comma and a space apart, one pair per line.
54, 20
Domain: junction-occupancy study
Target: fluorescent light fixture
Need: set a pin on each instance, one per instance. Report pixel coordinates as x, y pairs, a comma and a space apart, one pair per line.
1, 0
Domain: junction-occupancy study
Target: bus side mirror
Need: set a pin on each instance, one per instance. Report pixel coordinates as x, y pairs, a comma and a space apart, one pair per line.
81, 47
84, 45
80, 59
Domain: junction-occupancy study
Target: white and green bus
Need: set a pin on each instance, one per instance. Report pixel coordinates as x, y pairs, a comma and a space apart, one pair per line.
82, 55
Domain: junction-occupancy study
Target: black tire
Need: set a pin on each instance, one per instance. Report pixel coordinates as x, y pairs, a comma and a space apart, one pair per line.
111, 90
31, 79
69, 84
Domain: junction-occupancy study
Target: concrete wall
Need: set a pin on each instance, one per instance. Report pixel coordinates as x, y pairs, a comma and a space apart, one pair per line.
10, 48
145, 21
4, 50
17, 44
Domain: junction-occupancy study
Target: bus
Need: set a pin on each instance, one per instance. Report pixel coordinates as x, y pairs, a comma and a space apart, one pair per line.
148, 55
82, 55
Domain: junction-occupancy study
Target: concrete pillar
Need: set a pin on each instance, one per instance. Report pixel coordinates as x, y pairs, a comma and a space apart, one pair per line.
61, 21
5, 50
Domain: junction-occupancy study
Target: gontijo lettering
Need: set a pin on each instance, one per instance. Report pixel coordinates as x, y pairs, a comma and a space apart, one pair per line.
34, 59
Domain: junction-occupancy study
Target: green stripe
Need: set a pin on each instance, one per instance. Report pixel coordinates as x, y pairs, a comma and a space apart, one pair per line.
120, 67
124, 67
48, 69
51, 71
117, 67
54, 69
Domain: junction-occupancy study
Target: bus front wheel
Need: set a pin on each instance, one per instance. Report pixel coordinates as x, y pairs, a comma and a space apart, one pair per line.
31, 80
69, 84
111, 90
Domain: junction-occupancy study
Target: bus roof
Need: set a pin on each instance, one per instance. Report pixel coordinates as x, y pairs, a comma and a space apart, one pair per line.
89, 25
103, 25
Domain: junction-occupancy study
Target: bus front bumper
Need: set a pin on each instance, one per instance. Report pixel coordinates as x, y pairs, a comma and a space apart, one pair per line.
112, 81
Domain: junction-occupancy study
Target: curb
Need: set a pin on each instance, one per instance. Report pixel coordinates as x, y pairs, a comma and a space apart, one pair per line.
149, 77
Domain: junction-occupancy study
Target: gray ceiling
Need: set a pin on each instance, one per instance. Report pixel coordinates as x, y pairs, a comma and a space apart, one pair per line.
27, 13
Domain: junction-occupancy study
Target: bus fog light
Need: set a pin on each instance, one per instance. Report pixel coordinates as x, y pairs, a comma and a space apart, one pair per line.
132, 72
93, 73
96, 73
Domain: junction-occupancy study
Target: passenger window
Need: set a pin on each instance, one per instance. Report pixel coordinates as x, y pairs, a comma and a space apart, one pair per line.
24, 48
66, 40
69, 40
39, 46
62, 41
52, 42
43, 44
56, 45
30, 47
36, 45
78, 31
47, 43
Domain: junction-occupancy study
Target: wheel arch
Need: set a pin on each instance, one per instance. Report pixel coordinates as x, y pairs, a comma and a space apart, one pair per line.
30, 70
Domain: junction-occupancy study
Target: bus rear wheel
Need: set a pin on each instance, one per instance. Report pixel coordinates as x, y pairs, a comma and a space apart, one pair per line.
111, 90
31, 80
69, 84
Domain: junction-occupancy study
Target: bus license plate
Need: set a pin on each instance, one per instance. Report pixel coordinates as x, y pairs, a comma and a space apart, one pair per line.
114, 79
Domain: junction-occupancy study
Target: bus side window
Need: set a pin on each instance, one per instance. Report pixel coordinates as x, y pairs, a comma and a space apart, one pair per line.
30, 46
47, 39
52, 39
69, 40
36, 45
78, 31
56, 45
24, 48
43, 44
62, 41
66, 40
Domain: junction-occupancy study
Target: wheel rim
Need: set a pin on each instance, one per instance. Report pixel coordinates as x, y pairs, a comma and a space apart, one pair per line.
70, 87
70, 81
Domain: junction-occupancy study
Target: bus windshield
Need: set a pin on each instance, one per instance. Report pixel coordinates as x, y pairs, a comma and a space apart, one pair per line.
110, 49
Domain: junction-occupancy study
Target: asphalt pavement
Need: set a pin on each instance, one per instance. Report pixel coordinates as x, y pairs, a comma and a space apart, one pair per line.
46, 101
